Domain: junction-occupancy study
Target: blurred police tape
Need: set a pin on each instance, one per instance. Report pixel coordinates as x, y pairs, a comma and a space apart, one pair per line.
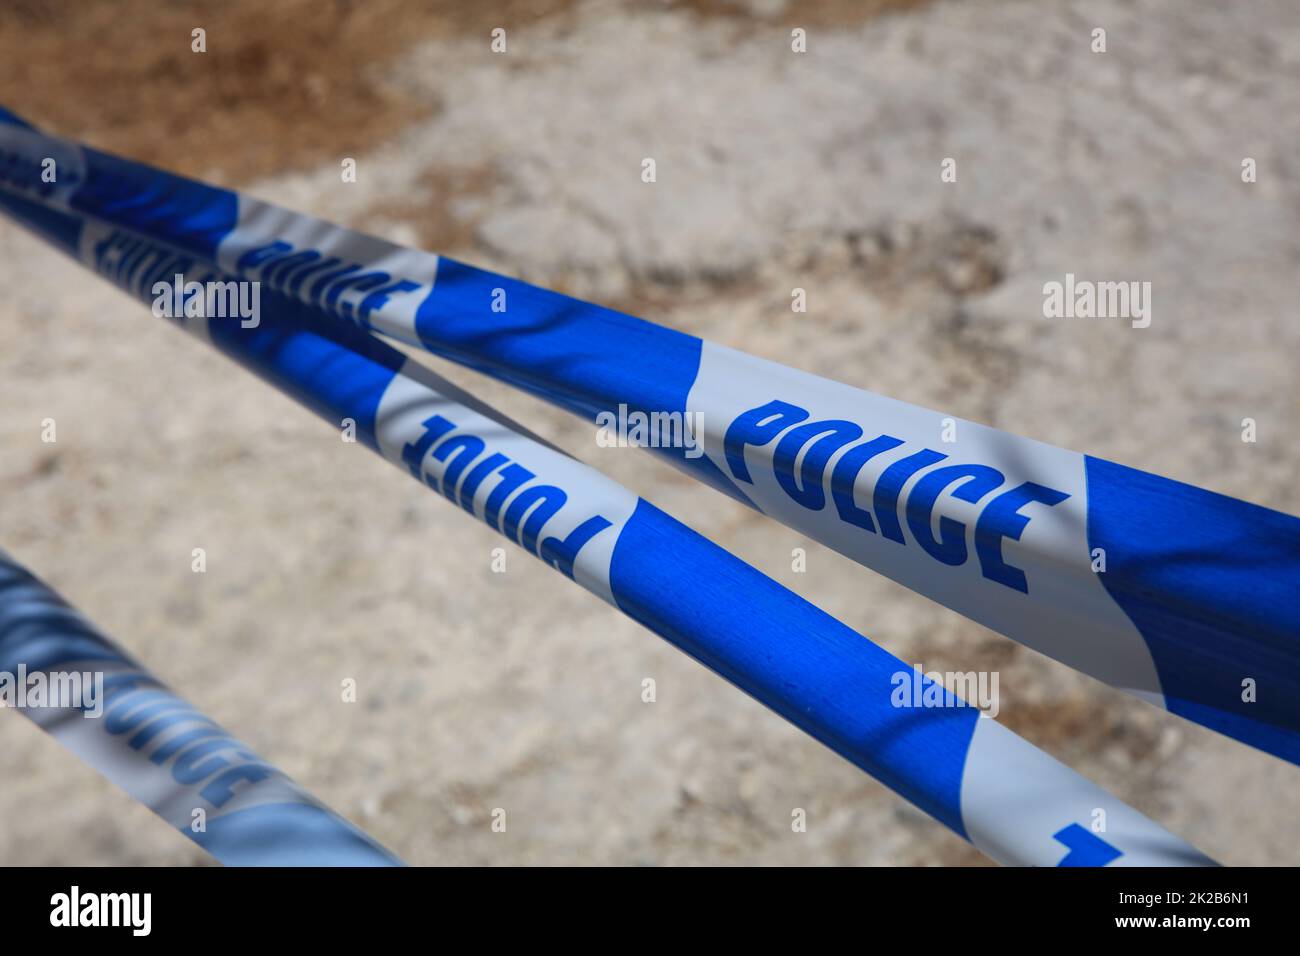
157, 747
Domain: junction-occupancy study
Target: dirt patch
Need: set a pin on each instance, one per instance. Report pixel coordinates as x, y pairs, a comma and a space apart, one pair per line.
1078, 729
282, 86
435, 220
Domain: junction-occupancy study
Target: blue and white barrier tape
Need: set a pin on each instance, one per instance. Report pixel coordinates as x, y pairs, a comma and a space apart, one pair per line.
1010, 799
1199, 592
156, 746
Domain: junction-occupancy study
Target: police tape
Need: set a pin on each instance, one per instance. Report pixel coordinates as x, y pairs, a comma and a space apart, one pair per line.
1011, 800
90, 695
1180, 596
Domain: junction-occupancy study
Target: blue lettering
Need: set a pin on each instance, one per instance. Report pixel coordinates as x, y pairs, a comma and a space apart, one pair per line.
757, 427
380, 296
220, 790
292, 283
477, 475
562, 554
950, 548
188, 769
512, 476
262, 254
845, 477
467, 448
177, 743
413, 452
888, 488
1000, 519
280, 268
834, 436
548, 500
133, 708
321, 283
367, 280
1086, 848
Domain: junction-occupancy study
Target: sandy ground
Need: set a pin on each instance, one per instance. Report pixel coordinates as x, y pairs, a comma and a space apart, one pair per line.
775, 170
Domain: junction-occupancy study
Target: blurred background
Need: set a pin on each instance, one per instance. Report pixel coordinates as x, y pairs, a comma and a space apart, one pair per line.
775, 170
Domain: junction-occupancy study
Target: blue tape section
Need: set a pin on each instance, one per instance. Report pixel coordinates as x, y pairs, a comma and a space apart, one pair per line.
13, 119
46, 651
288, 834
1213, 585
580, 356
62, 230
39, 631
811, 669
1086, 848
191, 215
337, 371
556, 337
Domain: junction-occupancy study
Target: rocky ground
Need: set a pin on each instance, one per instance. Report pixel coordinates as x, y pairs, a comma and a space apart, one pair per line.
775, 170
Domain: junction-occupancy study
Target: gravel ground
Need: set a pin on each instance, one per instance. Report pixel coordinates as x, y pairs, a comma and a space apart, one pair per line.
775, 170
